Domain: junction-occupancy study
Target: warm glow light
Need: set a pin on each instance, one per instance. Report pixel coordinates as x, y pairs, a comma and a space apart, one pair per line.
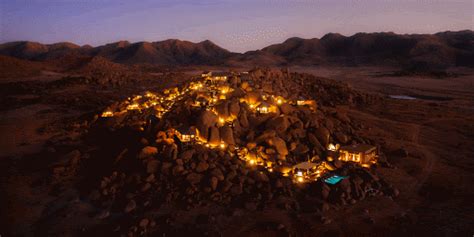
106, 114
162, 103
132, 106
331, 147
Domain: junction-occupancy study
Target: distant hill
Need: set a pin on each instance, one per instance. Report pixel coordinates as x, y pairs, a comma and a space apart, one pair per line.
168, 52
439, 50
13, 67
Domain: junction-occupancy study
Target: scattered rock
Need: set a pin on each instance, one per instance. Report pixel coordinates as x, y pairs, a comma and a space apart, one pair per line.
202, 166
144, 223
194, 178
152, 166
130, 206
147, 152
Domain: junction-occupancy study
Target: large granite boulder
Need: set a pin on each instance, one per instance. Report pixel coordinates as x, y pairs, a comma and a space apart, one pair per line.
223, 109
204, 121
286, 108
234, 108
244, 120
227, 135
280, 146
214, 136
279, 124
322, 134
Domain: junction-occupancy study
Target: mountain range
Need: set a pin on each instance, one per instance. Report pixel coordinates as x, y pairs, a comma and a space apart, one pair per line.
442, 49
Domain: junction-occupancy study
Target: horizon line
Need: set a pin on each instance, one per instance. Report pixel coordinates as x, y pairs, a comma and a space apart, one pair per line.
194, 42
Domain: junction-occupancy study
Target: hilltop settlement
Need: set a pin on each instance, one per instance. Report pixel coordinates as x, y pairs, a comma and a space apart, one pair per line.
201, 155
231, 113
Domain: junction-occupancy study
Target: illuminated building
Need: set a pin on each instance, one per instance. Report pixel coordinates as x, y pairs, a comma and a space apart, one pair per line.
362, 154
265, 108
186, 134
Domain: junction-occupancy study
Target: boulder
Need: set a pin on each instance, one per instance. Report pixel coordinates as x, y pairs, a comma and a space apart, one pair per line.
341, 137
279, 124
338, 164
194, 178
236, 190
280, 146
345, 186
286, 108
187, 155
329, 123
262, 177
213, 182
152, 166
165, 167
252, 97
130, 206
258, 120
226, 186
314, 141
202, 166
144, 223
218, 174
204, 121
234, 108
244, 122
301, 149
214, 136
326, 190
207, 119
227, 135
178, 169
222, 109
147, 152
171, 151
266, 135
322, 134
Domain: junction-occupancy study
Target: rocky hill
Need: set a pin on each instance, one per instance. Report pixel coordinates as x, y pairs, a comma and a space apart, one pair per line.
416, 51
140, 174
441, 49
168, 52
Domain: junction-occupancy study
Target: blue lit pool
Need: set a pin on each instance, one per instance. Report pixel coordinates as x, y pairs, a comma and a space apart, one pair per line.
334, 179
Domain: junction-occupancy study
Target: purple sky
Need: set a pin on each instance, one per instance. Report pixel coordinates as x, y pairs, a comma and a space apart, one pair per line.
237, 25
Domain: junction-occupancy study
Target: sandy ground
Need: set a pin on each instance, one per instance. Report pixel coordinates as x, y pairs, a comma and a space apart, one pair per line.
435, 178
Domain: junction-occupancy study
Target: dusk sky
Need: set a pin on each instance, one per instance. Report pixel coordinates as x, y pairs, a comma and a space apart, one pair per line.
237, 25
